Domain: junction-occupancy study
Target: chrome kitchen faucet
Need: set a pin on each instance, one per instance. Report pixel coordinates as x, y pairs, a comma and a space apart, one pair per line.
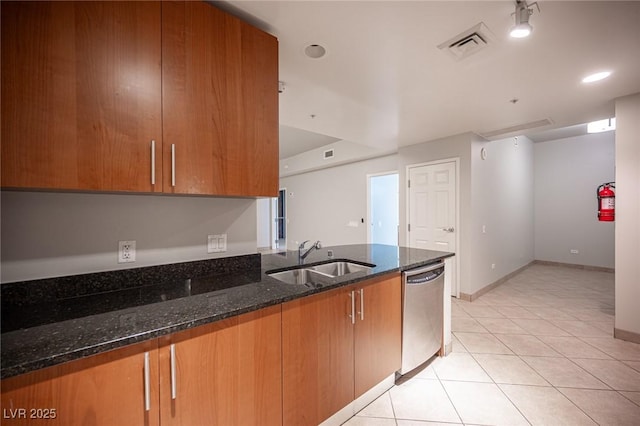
302, 256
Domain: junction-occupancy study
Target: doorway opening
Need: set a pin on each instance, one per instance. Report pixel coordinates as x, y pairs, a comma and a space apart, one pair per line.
279, 213
383, 208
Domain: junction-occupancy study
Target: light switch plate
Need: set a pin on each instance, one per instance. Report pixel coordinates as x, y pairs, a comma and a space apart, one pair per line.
216, 243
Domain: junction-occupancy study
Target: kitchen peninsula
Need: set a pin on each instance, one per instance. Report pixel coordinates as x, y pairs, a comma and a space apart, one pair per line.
58, 322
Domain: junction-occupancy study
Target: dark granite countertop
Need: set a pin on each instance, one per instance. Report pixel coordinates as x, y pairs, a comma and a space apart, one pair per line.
51, 321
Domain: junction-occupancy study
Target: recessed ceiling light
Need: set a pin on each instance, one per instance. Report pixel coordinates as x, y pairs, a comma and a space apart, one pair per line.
315, 51
596, 77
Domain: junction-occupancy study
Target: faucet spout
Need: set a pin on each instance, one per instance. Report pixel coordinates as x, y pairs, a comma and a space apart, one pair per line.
303, 255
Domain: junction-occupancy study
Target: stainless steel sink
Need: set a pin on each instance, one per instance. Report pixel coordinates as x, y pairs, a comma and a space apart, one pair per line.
338, 269
317, 275
303, 276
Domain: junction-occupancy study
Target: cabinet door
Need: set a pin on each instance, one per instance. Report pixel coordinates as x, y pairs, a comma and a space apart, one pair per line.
317, 357
105, 389
226, 373
81, 95
378, 331
220, 105
252, 156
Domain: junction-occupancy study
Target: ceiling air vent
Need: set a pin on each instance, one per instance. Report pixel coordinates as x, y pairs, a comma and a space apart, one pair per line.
328, 154
468, 42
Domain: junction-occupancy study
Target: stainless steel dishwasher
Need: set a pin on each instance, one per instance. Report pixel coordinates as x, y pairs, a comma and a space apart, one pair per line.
422, 314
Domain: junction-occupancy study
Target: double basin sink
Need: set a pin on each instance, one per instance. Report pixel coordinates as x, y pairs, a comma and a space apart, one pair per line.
319, 274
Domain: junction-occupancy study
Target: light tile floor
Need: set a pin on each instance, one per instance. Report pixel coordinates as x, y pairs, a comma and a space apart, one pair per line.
537, 350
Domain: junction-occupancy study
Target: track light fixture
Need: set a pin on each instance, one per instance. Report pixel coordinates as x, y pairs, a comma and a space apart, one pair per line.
522, 28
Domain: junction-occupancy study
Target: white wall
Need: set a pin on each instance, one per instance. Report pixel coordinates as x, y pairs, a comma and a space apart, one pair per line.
458, 146
264, 220
568, 171
628, 215
48, 234
496, 192
328, 204
502, 201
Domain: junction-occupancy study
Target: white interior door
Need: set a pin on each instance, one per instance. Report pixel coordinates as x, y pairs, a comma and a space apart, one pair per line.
433, 209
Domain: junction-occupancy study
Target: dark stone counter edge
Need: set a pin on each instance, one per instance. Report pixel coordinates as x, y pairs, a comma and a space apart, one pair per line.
55, 359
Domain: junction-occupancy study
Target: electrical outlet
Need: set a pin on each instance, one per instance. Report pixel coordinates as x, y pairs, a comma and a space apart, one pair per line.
126, 251
216, 243
574, 251
493, 266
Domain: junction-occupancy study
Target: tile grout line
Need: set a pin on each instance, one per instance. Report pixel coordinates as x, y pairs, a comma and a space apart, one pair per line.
544, 378
449, 397
625, 396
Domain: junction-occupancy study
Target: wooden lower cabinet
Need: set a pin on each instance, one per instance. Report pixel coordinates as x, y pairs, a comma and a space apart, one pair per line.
378, 335
294, 364
317, 357
105, 389
225, 373
337, 345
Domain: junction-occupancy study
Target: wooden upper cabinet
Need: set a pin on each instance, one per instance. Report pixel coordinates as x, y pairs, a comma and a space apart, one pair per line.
220, 103
105, 389
81, 95
378, 331
255, 153
87, 86
226, 373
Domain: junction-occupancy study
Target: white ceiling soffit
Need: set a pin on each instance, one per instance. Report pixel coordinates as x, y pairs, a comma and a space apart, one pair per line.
295, 141
518, 129
562, 133
384, 82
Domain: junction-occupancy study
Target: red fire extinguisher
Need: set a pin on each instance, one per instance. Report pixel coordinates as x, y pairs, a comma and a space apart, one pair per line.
606, 202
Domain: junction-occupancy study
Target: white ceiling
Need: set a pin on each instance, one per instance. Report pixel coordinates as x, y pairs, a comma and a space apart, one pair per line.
385, 84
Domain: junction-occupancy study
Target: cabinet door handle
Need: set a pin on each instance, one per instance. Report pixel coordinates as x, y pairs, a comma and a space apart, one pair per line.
147, 383
353, 307
362, 304
173, 164
174, 388
153, 162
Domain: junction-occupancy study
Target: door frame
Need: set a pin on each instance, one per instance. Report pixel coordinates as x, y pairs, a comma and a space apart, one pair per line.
369, 176
274, 220
455, 284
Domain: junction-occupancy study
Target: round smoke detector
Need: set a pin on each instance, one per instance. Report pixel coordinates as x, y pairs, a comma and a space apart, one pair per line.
315, 51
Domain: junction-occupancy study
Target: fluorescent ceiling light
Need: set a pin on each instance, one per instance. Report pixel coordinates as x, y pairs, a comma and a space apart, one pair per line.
596, 77
599, 126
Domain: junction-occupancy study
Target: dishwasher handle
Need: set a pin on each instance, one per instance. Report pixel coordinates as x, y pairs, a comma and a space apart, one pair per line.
424, 275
